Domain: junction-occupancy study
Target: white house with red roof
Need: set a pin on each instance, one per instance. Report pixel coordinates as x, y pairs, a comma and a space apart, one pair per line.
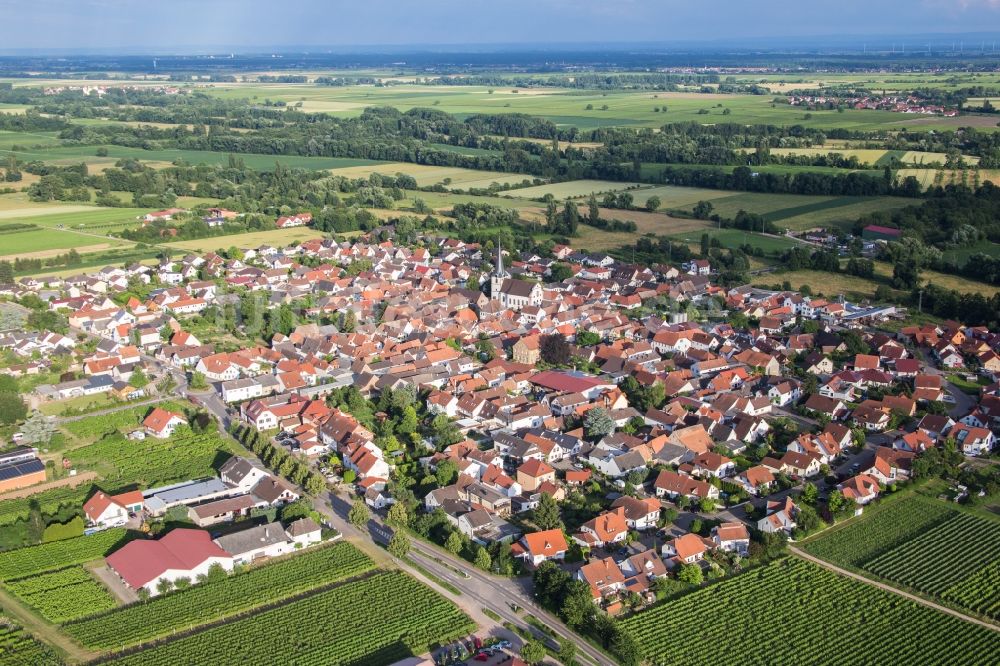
104, 511
161, 423
538, 547
298, 220
181, 553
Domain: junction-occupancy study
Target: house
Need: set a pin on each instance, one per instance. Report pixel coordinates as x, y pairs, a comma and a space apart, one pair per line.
527, 350
640, 514
641, 570
603, 576
161, 423
732, 537
104, 511
538, 547
803, 465
607, 528
247, 545
534, 473
712, 464
780, 517
861, 488
972, 441
756, 480
304, 532
892, 464
221, 511
686, 549
181, 553
674, 485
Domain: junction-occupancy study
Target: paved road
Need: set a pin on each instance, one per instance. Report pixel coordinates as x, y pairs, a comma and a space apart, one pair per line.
889, 588
485, 590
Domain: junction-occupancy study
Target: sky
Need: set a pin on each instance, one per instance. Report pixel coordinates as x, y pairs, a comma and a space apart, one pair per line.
253, 25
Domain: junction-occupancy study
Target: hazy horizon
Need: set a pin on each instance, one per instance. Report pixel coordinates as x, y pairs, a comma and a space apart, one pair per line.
214, 26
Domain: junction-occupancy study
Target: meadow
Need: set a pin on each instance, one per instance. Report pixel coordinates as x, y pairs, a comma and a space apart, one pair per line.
275, 237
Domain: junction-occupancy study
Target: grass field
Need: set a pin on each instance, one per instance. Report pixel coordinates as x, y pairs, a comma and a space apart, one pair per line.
784, 608
733, 238
575, 189
961, 255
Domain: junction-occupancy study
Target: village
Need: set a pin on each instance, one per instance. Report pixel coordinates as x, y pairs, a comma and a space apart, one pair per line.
633, 425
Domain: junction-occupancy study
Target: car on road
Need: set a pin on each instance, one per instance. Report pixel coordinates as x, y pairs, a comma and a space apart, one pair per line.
482, 656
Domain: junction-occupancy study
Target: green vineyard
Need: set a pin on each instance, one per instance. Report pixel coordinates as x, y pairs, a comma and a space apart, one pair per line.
375, 621
49, 501
213, 601
151, 461
946, 556
19, 648
25, 562
881, 528
793, 612
980, 592
96, 427
63, 595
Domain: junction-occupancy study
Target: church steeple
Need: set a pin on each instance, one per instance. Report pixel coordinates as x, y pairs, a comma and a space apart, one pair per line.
499, 274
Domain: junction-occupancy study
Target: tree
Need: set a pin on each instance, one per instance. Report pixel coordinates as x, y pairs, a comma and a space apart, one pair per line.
809, 494
905, 274
359, 513
554, 349
446, 472
837, 503
454, 543
399, 544
38, 429
349, 476
398, 515
806, 520
653, 204
139, 379
567, 652
703, 210
577, 608
533, 652
623, 645
691, 573
6, 272
12, 408
559, 272
483, 559
593, 212
597, 423
198, 380
547, 516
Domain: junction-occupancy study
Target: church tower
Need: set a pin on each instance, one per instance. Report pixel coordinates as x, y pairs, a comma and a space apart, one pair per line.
499, 275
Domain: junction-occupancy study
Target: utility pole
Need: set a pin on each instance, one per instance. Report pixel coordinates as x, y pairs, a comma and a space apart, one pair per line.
920, 302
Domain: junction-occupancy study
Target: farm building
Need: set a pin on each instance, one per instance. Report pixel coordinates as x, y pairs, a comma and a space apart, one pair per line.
876, 232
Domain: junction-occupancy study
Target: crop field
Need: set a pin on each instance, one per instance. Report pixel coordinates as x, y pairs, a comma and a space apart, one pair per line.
879, 529
426, 175
84, 218
88, 154
63, 595
929, 177
677, 197
375, 621
733, 238
962, 553
779, 614
19, 648
32, 560
208, 602
574, 189
276, 237
41, 243
569, 107
149, 462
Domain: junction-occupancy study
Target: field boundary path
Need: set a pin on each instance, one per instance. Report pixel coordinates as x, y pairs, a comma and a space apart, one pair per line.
49, 485
42, 630
889, 588
109, 410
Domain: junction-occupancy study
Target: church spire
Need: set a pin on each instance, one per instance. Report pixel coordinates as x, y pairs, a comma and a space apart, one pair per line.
499, 271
